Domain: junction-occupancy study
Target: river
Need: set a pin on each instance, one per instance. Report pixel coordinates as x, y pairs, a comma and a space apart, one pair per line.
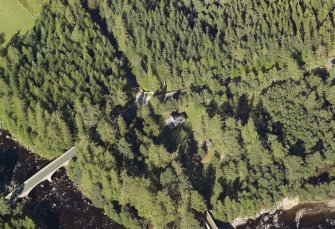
61, 205
307, 216
51, 205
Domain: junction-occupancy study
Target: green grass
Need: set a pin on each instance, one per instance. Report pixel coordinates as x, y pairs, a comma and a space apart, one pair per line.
18, 15
33, 6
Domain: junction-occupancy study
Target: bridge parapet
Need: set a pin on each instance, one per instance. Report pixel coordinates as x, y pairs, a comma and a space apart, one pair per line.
42, 175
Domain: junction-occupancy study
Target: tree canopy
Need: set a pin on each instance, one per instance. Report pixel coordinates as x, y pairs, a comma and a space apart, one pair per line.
258, 99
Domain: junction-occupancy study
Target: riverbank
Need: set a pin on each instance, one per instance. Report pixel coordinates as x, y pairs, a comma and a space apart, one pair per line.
292, 212
59, 204
285, 204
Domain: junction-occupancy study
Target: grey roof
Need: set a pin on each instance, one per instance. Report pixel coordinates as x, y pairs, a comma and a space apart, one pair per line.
174, 121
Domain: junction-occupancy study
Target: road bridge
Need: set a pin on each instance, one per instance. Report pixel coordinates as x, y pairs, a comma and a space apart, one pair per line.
42, 175
210, 224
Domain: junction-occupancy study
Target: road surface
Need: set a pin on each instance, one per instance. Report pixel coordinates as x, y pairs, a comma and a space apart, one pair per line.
210, 224
42, 175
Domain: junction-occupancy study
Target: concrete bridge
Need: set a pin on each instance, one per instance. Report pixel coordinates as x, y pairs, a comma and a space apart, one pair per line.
210, 224
42, 175
46, 173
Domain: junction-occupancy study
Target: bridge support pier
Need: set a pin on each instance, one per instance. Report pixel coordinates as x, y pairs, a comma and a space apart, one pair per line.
49, 179
42, 175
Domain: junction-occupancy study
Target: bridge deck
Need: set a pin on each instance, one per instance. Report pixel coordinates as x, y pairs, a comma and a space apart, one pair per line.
210, 221
44, 173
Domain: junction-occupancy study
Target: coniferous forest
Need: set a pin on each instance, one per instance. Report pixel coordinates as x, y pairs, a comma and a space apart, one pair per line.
258, 94
13, 218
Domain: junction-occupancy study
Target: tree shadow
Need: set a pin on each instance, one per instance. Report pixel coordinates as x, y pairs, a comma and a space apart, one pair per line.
261, 119
170, 138
298, 149
15, 193
278, 130
243, 109
322, 72
212, 109
231, 188
264, 126
15, 40
298, 57
203, 180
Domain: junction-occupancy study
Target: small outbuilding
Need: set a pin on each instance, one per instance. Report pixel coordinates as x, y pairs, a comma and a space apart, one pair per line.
175, 119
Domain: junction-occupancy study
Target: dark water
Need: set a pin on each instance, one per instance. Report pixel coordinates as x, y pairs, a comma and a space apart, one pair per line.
307, 216
60, 204
51, 205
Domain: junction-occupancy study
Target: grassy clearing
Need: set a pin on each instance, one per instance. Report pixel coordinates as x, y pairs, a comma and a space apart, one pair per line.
207, 159
15, 17
34, 7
